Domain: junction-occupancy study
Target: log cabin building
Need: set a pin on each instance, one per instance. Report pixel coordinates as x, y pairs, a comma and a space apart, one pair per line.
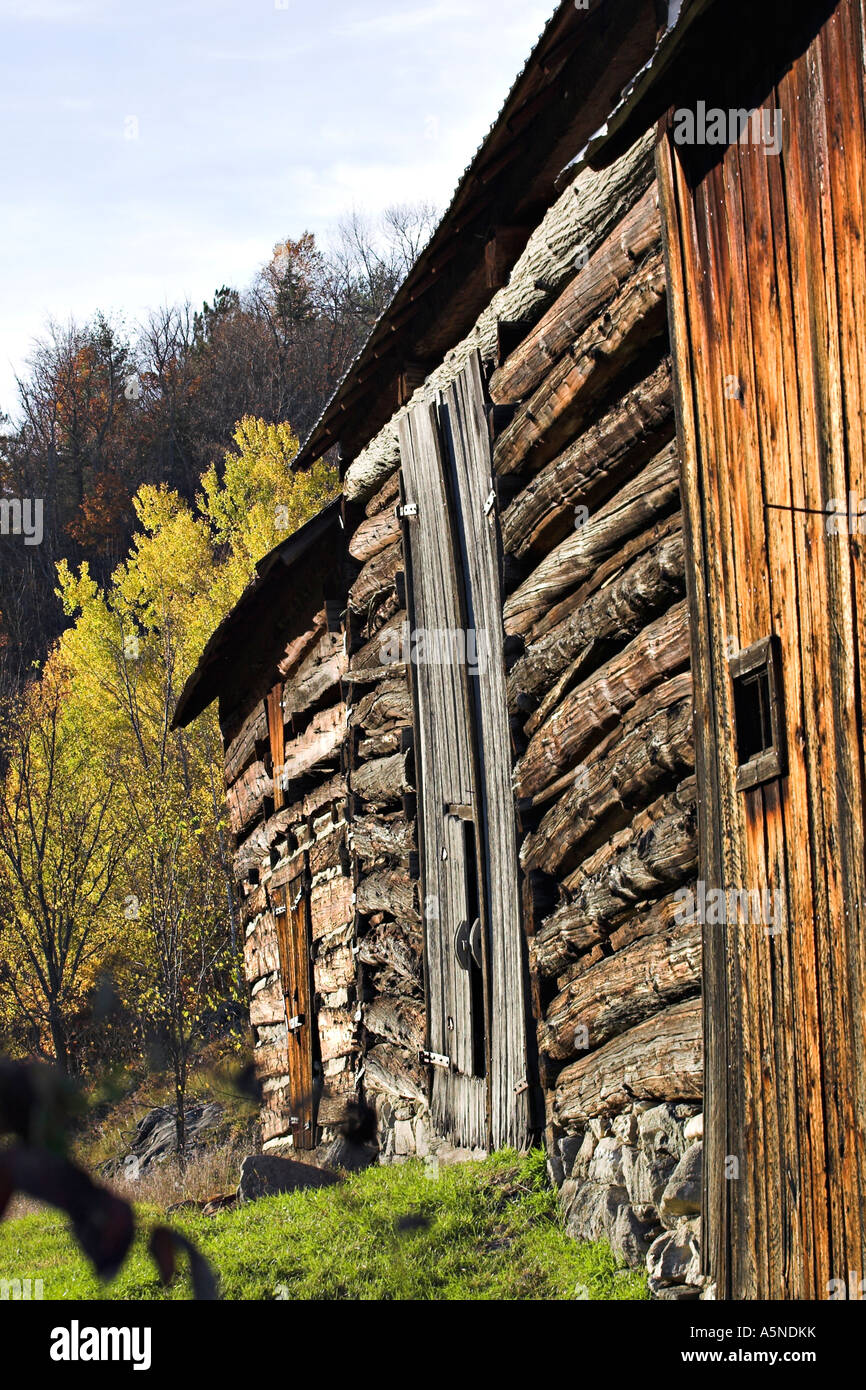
544, 743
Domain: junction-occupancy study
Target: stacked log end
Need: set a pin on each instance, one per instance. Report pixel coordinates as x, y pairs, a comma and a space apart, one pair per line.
289, 811
383, 835
600, 698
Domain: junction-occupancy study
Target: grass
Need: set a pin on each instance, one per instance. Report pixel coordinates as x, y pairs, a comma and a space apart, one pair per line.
486, 1230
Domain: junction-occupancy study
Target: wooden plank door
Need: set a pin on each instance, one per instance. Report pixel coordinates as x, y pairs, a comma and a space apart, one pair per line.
469, 844
467, 438
447, 789
292, 915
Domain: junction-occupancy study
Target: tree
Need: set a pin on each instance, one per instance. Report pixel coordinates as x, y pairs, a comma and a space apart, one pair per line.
59, 854
131, 645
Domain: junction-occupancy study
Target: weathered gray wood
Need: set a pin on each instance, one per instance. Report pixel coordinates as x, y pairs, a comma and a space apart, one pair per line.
446, 776
659, 1060
391, 891
261, 953
387, 495
375, 534
377, 576
655, 490
621, 991
242, 749
374, 838
595, 286
656, 853
541, 426
331, 905
390, 1069
334, 970
656, 744
599, 702
246, 797
381, 743
374, 661
382, 781
398, 947
398, 1020
267, 1003
618, 611
610, 451
318, 673
338, 1033
390, 702
464, 416
321, 739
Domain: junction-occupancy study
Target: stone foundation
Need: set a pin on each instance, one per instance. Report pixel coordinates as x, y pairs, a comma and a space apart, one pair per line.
635, 1181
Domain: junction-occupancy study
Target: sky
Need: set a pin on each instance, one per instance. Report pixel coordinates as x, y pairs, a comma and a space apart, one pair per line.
154, 151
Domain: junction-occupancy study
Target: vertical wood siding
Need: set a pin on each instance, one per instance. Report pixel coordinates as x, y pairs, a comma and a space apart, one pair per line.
767, 281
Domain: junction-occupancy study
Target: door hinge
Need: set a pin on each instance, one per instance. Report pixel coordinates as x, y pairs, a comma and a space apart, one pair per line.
521, 1087
406, 510
490, 503
280, 910
296, 1023
434, 1059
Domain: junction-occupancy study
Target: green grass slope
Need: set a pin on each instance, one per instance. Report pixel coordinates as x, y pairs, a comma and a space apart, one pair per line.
473, 1231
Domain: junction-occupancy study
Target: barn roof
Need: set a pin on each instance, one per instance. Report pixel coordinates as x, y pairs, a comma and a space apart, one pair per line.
227, 644
649, 93
568, 86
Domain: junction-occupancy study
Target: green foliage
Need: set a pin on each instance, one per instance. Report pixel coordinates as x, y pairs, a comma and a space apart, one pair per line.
165, 926
477, 1231
256, 500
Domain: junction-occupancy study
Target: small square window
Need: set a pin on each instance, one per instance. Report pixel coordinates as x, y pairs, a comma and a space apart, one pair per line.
759, 724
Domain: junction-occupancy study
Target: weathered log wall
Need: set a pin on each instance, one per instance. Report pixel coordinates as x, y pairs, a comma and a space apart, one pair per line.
383, 837
600, 698
599, 693
290, 813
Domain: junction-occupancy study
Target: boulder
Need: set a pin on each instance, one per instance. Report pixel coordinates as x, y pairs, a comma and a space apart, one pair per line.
606, 1164
631, 1238
155, 1138
266, 1175
675, 1257
591, 1210
682, 1195
625, 1128
646, 1176
404, 1138
694, 1129
661, 1131
569, 1148
349, 1156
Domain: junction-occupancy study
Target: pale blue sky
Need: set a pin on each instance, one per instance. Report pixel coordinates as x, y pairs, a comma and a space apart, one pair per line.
254, 120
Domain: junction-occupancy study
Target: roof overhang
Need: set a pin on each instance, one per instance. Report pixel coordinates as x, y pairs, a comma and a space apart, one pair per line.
230, 643
573, 78
648, 95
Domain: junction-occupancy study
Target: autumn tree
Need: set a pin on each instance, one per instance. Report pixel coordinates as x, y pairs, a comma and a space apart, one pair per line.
130, 647
59, 855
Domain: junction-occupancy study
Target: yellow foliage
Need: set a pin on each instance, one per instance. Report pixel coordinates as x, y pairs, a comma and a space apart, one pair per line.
122, 662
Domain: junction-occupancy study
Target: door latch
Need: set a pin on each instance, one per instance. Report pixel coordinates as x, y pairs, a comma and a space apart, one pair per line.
435, 1059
